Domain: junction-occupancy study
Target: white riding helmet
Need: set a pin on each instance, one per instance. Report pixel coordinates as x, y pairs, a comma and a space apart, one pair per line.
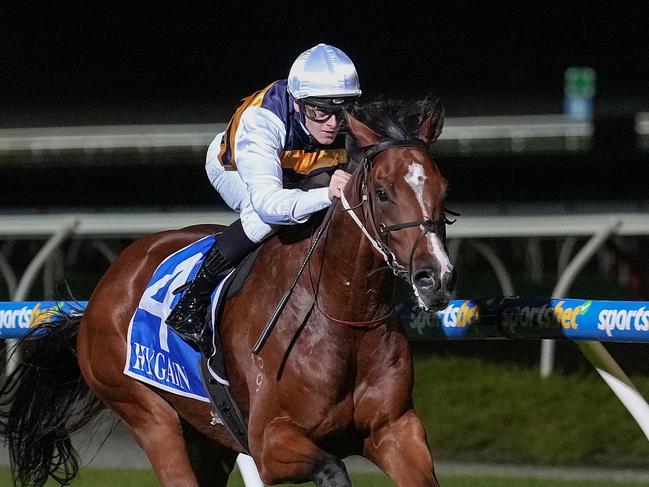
324, 74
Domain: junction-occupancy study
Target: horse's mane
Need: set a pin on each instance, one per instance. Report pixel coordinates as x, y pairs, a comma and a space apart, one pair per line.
391, 119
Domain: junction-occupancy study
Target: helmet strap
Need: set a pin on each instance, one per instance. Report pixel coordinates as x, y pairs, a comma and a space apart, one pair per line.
300, 104
312, 141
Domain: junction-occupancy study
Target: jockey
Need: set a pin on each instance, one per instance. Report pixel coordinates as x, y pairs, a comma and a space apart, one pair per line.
277, 137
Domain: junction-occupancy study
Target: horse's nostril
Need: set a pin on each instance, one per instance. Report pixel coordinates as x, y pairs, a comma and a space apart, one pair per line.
426, 279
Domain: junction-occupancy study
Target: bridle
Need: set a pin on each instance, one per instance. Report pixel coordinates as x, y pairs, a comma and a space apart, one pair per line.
381, 231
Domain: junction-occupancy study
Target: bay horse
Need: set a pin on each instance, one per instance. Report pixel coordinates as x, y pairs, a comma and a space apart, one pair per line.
336, 377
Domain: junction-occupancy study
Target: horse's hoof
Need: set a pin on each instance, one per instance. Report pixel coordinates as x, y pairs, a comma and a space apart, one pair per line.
332, 474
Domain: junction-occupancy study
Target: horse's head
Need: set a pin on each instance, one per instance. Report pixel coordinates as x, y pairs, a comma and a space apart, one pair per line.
404, 193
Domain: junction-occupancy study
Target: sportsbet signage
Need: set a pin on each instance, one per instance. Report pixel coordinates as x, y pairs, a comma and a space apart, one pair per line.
18, 317
574, 319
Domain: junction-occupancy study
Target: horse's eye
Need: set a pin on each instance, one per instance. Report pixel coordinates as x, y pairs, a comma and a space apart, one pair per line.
381, 194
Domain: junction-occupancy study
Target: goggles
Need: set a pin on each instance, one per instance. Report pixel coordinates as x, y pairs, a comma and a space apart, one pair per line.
322, 109
318, 114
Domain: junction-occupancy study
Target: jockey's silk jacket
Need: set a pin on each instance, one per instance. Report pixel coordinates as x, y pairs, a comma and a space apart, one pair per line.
266, 143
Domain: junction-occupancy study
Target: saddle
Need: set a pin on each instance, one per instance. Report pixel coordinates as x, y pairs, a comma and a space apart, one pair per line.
212, 364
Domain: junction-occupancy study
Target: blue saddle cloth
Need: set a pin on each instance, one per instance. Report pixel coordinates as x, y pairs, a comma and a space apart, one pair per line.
155, 354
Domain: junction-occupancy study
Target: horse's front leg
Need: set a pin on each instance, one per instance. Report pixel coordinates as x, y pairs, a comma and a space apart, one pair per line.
399, 448
286, 454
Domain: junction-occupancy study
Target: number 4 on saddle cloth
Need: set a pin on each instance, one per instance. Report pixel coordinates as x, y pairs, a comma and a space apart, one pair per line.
158, 357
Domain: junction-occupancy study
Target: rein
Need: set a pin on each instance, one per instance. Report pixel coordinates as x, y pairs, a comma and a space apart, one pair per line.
272, 321
354, 324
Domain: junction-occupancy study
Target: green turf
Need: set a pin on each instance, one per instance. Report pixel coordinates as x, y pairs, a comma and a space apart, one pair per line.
371, 480
145, 478
477, 411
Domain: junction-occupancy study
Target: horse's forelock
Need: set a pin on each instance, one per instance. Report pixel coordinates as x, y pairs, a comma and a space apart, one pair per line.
391, 119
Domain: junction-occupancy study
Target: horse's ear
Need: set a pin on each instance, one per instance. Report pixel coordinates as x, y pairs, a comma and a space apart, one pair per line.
431, 126
362, 133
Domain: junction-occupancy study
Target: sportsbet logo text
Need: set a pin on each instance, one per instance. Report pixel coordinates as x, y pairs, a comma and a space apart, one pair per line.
15, 318
545, 316
25, 317
623, 320
567, 317
460, 316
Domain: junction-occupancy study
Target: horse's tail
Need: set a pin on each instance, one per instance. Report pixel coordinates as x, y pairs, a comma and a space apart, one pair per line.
43, 401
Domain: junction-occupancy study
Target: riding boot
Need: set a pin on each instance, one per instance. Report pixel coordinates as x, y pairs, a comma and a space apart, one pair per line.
188, 317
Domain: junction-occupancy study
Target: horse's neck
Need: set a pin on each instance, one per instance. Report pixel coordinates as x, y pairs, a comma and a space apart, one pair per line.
349, 289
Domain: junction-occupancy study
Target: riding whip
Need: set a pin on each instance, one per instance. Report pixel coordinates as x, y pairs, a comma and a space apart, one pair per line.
270, 325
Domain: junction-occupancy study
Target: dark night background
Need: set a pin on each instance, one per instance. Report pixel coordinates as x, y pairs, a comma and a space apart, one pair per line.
86, 63
480, 57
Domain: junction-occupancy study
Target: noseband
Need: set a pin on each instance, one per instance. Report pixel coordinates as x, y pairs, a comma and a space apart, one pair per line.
381, 230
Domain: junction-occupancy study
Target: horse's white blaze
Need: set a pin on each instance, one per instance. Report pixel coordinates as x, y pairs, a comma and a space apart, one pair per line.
436, 248
415, 179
